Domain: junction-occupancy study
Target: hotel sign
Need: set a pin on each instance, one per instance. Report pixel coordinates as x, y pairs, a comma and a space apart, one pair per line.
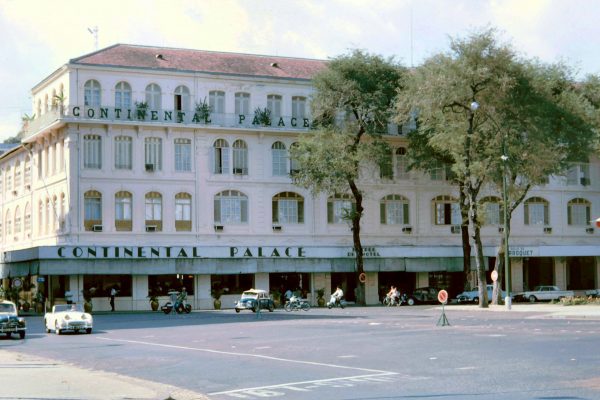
177, 252
182, 117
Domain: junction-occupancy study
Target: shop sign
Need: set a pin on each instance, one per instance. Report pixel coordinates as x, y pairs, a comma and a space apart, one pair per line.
268, 252
99, 252
522, 252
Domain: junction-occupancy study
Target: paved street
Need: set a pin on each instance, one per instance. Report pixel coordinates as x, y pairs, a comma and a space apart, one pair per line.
532, 352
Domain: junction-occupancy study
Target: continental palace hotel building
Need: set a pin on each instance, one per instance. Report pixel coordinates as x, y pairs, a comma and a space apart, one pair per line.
151, 169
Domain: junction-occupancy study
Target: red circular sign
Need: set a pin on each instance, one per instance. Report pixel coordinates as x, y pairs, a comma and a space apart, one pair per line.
362, 277
598, 223
442, 296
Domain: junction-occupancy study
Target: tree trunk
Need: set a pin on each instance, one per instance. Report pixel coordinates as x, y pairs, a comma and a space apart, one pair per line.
479, 261
466, 245
358, 250
499, 268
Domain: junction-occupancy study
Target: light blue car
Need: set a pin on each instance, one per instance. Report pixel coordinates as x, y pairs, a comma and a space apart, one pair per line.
472, 296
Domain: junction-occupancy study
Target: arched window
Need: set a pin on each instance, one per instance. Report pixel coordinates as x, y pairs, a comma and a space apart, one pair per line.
123, 95
123, 221
92, 152
493, 211
92, 202
183, 212
154, 97
220, 157
231, 207
242, 103
27, 220
446, 210
339, 208
153, 211
393, 210
27, 173
294, 164
579, 212
536, 211
17, 221
182, 98
288, 208
18, 175
279, 159
386, 168
240, 158
401, 163
8, 222
91, 93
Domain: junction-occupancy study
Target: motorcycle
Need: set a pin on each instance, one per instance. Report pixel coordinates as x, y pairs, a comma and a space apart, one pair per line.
296, 304
176, 304
395, 300
336, 302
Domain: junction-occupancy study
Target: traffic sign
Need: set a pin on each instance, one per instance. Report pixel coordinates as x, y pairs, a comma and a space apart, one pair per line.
443, 296
17, 282
494, 275
598, 223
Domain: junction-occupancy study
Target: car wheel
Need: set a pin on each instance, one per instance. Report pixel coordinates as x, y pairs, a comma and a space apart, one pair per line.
48, 330
88, 330
56, 328
8, 335
476, 300
271, 307
237, 310
22, 334
411, 302
532, 299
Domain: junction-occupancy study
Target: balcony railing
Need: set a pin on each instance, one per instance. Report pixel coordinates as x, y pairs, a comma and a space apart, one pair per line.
186, 118
183, 117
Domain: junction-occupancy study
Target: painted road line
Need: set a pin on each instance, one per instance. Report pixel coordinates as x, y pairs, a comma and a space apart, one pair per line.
305, 386
231, 353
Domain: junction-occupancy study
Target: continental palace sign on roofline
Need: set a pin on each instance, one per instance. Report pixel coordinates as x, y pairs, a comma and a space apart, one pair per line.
258, 119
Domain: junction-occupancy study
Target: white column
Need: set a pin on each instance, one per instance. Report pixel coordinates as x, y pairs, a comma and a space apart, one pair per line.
371, 288
202, 292
560, 272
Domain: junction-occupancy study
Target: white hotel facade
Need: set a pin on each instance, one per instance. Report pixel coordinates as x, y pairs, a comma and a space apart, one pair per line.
102, 193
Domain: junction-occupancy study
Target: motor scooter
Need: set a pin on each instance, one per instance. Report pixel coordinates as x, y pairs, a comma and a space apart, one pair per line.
177, 303
296, 303
336, 302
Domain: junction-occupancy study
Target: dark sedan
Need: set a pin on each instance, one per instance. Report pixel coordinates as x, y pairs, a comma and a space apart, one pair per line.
424, 295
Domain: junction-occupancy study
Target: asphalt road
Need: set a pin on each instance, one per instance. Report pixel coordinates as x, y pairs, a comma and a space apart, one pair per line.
357, 353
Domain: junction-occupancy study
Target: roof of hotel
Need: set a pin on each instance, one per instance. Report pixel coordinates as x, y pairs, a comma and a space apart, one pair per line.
164, 58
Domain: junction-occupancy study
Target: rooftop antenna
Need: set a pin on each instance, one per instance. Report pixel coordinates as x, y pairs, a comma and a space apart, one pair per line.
94, 32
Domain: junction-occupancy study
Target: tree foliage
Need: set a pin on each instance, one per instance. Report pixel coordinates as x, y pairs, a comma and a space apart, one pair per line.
351, 108
481, 100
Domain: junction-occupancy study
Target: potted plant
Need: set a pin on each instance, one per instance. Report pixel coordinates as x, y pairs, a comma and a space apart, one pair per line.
216, 294
140, 110
39, 301
262, 116
276, 296
320, 298
203, 111
87, 297
153, 302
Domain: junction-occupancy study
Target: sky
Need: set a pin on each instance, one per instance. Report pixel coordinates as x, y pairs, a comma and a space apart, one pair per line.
39, 36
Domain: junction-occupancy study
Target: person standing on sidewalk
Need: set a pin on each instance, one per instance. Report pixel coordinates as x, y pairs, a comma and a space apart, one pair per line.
113, 293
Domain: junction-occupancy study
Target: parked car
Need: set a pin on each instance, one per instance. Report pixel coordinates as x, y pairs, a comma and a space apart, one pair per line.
472, 296
252, 299
10, 322
545, 293
68, 317
424, 295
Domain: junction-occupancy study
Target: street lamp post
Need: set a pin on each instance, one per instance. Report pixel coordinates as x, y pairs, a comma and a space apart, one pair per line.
507, 300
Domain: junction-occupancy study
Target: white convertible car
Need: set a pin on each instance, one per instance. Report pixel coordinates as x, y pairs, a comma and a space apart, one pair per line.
68, 317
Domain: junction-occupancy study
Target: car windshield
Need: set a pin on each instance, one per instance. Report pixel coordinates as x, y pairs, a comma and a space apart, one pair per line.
7, 308
68, 307
249, 295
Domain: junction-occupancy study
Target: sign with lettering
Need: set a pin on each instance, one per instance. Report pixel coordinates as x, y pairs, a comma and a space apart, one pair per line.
523, 251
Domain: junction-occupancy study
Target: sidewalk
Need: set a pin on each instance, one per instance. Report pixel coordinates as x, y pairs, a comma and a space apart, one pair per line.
31, 377
584, 311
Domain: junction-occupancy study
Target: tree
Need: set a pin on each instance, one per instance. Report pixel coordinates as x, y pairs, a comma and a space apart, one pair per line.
479, 98
351, 109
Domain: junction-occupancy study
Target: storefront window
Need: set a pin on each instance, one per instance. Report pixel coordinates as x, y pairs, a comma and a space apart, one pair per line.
232, 284
161, 285
100, 285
